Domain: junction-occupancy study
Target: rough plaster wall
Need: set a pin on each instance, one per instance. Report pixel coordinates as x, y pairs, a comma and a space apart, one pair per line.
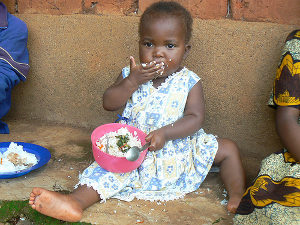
75, 58
237, 61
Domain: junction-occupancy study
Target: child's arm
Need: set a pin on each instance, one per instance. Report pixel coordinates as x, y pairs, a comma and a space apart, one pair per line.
117, 95
288, 129
187, 125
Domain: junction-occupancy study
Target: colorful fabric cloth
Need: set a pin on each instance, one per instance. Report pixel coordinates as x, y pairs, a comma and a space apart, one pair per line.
274, 197
13, 59
287, 82
170, 173
285, 190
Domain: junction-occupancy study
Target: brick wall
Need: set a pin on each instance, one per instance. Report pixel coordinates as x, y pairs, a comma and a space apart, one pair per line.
275, 11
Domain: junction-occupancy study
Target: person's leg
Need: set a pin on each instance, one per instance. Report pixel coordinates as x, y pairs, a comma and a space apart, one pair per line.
67, 207
5, 102
231, 171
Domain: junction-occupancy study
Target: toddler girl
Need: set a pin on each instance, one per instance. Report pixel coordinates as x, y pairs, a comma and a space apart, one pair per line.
165, 100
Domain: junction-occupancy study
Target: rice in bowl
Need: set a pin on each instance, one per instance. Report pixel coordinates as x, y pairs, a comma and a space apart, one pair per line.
117, 143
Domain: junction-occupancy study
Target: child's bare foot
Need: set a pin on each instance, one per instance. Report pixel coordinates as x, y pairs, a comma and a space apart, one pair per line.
56, 205
234, 202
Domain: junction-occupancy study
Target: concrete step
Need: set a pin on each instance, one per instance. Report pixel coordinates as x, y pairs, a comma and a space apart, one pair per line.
71, 154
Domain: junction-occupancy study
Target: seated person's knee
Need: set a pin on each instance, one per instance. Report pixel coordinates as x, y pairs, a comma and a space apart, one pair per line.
227, 148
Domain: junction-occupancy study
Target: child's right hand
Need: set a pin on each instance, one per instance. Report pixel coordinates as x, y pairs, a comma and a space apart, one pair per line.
157, 139
140, 74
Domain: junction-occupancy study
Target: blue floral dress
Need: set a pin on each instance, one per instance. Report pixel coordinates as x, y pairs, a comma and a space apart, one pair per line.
167, 174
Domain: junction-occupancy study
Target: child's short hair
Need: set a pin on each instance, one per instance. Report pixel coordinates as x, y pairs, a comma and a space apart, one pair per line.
169, 8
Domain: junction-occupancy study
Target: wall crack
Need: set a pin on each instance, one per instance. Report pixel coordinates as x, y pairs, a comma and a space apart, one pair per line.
229, 11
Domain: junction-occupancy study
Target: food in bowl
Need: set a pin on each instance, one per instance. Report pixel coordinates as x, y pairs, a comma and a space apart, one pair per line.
112, 163
117, 143
16, 159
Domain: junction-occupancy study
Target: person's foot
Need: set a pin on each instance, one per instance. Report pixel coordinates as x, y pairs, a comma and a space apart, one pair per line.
56, 205
234, 202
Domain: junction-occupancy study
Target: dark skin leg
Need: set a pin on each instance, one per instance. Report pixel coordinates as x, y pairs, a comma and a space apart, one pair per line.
231, 171
288, 129
61, 206
86, 196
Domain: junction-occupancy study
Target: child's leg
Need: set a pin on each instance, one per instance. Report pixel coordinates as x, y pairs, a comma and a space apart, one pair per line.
61, 206
232, 172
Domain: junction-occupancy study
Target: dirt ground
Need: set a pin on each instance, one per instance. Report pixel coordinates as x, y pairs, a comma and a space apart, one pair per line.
70, 148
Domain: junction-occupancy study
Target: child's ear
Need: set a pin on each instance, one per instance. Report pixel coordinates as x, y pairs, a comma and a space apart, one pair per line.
187, 50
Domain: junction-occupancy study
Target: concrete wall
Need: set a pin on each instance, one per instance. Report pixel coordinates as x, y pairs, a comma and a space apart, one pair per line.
75, 57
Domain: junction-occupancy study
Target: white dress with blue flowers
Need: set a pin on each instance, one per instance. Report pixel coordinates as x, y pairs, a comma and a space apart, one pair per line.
167, 174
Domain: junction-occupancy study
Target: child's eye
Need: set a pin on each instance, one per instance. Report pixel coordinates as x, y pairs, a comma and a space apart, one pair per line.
170, 46
148, 44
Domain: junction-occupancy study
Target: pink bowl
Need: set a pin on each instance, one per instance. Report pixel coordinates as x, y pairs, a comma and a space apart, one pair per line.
113, 163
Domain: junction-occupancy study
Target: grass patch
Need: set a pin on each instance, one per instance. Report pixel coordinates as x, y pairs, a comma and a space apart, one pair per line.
12, 211
218, 220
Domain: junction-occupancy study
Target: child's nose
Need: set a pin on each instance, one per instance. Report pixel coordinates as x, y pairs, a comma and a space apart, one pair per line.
158, 52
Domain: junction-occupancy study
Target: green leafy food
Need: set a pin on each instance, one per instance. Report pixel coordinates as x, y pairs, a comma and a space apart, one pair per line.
122, 143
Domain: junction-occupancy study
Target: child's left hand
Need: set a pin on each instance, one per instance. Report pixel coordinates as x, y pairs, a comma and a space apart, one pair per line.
157, 139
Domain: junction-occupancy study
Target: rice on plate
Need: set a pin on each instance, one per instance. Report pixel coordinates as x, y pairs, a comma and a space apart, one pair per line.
117, 143
16, 159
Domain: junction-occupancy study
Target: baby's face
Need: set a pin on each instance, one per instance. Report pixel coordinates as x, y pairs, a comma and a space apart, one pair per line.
162, 39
